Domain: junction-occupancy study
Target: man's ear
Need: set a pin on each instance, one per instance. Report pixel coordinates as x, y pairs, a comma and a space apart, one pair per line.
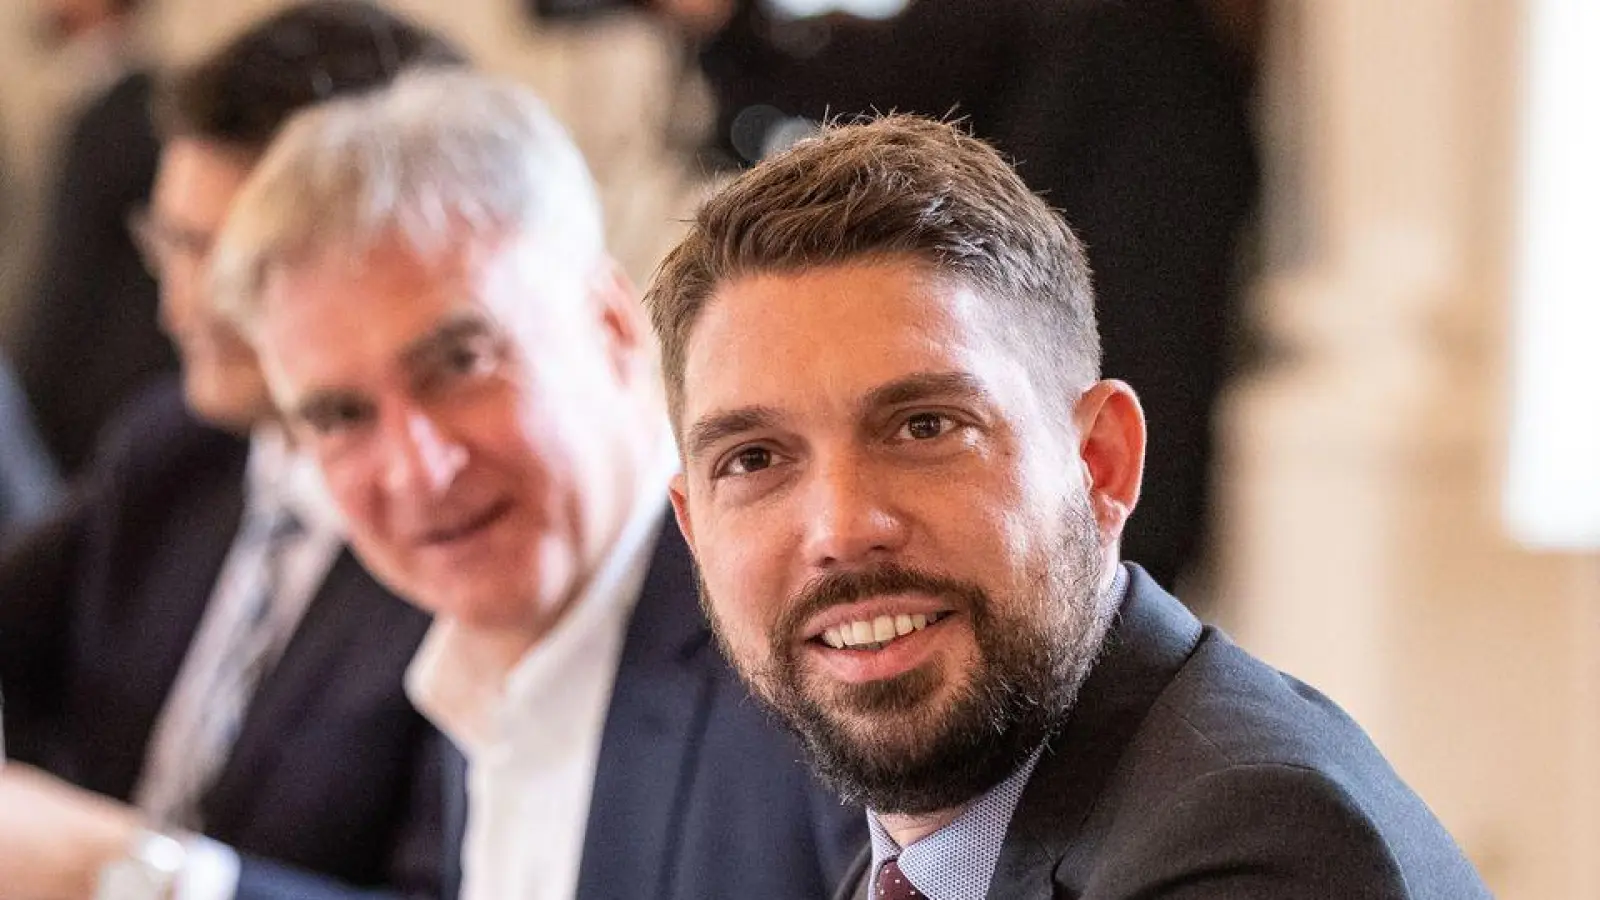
622, 319
1111, 437
678, 490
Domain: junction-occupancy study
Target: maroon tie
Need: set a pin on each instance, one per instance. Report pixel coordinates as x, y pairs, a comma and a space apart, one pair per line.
893, 884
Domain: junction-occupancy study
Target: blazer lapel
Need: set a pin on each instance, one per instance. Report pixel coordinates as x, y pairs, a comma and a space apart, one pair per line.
1149, 642
853, 886
288, 692
171, 594
656, 720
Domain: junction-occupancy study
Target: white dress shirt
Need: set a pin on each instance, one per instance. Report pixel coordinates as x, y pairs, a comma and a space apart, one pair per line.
530, 727
274, 473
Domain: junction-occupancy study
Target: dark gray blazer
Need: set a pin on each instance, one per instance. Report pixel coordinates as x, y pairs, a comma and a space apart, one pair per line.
1191, 770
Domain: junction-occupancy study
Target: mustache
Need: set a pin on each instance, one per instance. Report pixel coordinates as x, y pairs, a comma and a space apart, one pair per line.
843, 587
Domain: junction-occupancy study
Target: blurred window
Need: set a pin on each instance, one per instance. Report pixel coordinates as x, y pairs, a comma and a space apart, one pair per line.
1553, 486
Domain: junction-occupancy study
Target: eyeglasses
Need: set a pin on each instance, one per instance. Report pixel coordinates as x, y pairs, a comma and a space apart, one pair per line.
167, 248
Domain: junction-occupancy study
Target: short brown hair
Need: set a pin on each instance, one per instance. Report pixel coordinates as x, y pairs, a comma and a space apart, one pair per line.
894, 186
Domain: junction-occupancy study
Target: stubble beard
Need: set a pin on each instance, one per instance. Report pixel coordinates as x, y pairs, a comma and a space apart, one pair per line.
918, 743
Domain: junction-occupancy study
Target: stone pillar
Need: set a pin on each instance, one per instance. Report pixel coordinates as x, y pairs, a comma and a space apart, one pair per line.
1363, 546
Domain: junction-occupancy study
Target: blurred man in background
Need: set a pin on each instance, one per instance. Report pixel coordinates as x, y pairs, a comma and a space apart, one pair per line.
189, 648
87, 338
425, 276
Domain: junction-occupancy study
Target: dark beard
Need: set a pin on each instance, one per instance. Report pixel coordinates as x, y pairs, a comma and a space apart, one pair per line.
1031, 659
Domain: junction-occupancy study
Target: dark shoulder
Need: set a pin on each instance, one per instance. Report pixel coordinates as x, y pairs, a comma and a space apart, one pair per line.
1238, 759
123, 110
1226, 709
748, 754
1255, 830
1246, 711
153, 445
128, 96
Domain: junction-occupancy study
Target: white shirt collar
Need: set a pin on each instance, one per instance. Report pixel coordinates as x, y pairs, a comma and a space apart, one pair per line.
276, 473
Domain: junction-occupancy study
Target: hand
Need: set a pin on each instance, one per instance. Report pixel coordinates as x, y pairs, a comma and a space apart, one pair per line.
54, 837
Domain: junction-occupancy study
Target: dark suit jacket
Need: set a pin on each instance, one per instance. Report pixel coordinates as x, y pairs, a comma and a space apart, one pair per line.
1189, 769
698, 794
333, 783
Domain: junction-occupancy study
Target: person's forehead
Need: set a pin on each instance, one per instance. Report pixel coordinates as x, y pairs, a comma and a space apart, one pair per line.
866, 305
843, 330
381, 300
360, 308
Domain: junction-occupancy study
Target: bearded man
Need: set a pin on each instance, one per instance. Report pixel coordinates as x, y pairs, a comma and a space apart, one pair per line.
905, 482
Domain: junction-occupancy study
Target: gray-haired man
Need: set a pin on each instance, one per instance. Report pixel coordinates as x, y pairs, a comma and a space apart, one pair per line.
424, 277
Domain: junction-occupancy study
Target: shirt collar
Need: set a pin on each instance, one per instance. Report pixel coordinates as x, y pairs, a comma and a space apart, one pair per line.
471, 682
278, 475
957, 861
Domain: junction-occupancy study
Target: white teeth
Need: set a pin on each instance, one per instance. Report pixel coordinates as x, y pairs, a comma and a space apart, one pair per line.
860, 633
883, 628
873, 634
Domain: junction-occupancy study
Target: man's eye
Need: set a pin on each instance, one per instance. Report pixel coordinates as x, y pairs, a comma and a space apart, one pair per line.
924, 426
469, 359
458, 364
747, 461
466, 361
339, 416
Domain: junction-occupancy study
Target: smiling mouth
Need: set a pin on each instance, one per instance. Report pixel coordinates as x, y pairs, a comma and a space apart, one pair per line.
876, 633
469, 527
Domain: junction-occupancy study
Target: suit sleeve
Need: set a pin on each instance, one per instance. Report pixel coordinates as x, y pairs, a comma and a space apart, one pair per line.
1257, 832
416, 862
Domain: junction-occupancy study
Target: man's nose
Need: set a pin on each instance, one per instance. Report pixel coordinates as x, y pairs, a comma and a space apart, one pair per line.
423, 456
850, 516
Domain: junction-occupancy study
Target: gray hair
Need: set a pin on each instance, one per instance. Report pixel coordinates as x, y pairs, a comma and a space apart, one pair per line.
435, 157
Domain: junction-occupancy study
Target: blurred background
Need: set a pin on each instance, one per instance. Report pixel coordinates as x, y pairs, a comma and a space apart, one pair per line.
1344, 251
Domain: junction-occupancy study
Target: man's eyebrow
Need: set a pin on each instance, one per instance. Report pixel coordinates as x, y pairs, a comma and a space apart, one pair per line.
925, 386
717, 427
447, 335
320, 404
712, 429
